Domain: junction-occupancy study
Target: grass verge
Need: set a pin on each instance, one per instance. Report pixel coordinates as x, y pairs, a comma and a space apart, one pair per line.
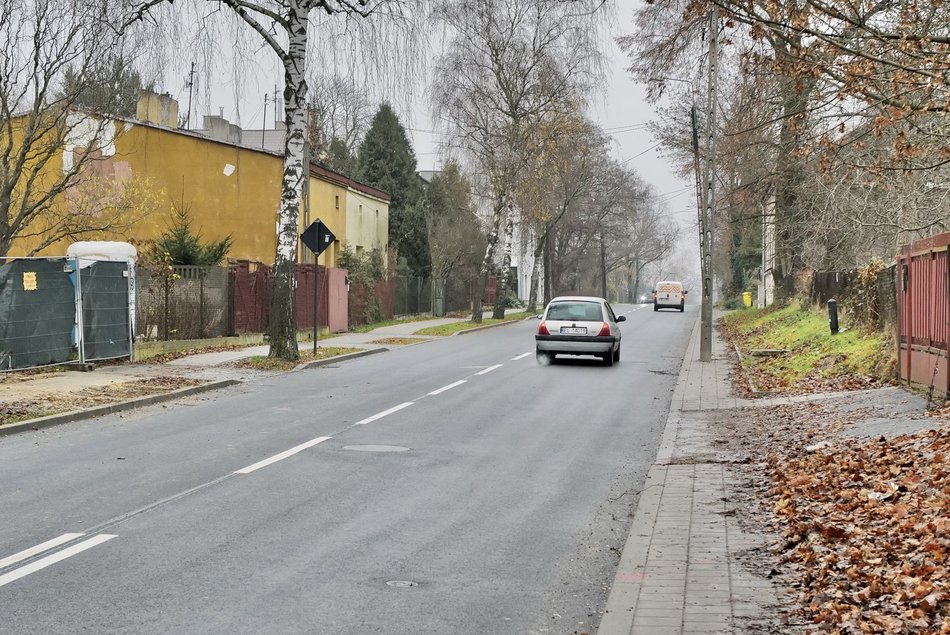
262, 362
812, 358
457, 327
365, 328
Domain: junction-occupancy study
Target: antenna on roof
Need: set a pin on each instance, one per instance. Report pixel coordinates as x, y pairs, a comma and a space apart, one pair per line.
190, 83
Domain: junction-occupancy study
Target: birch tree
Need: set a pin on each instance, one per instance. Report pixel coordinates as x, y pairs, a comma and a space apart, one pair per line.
507, 65
284, 26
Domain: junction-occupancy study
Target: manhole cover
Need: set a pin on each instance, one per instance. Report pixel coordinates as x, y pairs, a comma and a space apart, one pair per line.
401, 584
376, 448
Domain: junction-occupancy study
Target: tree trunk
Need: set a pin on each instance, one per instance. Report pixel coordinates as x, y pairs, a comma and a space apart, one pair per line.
283, 326
790, 175
438, 295
636, 282
504, 280
485, 268
548, 269
536, 274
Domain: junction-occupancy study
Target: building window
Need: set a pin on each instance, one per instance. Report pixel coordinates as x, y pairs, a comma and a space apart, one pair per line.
336, 202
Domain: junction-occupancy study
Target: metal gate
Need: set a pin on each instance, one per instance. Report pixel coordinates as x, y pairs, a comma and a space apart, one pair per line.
923, 283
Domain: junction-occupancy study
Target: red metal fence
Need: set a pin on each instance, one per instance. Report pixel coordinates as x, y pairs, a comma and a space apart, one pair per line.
923, 289
251, 292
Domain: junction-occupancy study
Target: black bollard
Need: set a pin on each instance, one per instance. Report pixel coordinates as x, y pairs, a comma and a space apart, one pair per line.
833, 316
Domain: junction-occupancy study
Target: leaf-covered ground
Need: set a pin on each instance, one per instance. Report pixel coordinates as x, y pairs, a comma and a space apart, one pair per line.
49, 404
862, 523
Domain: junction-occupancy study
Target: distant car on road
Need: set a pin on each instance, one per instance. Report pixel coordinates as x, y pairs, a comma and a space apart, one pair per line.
579, 325
669, 294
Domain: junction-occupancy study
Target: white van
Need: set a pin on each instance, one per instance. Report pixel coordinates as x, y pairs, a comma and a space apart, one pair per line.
669, 294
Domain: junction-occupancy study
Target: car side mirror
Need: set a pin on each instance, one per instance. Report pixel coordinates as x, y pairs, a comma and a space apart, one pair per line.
621, 318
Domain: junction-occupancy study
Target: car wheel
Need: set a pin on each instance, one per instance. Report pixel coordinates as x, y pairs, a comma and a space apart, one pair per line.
617, 354
608, 359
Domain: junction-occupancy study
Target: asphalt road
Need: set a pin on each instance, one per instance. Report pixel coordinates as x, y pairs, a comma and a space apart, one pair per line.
269, 507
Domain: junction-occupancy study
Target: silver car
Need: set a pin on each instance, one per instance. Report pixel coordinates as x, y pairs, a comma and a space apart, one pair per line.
579, 325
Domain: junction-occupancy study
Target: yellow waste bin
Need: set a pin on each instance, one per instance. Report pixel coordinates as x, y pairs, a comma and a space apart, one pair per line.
747, 298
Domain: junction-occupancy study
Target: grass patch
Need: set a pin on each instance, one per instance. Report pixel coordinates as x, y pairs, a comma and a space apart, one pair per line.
814, 358
263, 362
457, 327
365, 328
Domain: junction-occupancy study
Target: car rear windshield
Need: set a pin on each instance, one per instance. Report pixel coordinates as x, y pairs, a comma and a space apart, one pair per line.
575, 312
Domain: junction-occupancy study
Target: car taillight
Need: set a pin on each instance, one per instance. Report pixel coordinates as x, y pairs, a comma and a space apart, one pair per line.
543, 329
604, 330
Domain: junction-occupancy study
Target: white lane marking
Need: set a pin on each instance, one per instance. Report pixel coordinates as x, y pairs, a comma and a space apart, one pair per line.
384, 413
449, 387
283, 455
40, 548
51, 559
522, 356
488, 370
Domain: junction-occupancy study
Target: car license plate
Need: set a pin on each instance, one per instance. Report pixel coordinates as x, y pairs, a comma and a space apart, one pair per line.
574, 330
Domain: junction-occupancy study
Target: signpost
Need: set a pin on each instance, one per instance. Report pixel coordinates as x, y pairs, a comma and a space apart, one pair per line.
317, 238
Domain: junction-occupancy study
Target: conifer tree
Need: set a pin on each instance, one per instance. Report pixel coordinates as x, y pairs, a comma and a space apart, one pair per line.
387, 161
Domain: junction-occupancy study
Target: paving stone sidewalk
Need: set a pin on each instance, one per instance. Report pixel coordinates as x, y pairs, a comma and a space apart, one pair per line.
678, 572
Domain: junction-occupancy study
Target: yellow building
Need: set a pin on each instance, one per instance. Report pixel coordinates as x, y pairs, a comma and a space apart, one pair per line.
226, 187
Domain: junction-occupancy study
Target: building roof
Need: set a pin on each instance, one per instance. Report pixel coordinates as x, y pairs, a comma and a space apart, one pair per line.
318, 169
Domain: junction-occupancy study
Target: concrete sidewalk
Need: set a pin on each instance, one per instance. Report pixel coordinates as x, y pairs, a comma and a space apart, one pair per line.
678, 572
209, 367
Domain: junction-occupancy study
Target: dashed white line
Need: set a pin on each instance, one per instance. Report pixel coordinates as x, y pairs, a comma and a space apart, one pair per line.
52, 559
488, 370
40, 548
522, 356
283, 455
449, 387
384, 413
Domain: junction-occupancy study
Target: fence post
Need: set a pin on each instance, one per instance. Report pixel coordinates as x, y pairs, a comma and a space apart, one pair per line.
833, 315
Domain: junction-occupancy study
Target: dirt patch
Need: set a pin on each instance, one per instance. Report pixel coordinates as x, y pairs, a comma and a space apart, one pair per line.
398, 341
49, 404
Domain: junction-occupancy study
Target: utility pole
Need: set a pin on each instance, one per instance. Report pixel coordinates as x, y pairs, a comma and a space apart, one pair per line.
264, 125
191, 86
603, 266
700, 204
709, 208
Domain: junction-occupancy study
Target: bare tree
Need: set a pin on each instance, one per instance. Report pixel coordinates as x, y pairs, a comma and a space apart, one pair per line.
339, 114
455, 238
568, 164
838, 71
53, 155
508, 65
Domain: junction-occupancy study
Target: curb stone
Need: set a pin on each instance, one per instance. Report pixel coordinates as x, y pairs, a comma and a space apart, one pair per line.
98, 411
339, 358
488, 326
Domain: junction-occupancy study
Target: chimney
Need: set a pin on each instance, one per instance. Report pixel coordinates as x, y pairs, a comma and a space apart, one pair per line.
159, 109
